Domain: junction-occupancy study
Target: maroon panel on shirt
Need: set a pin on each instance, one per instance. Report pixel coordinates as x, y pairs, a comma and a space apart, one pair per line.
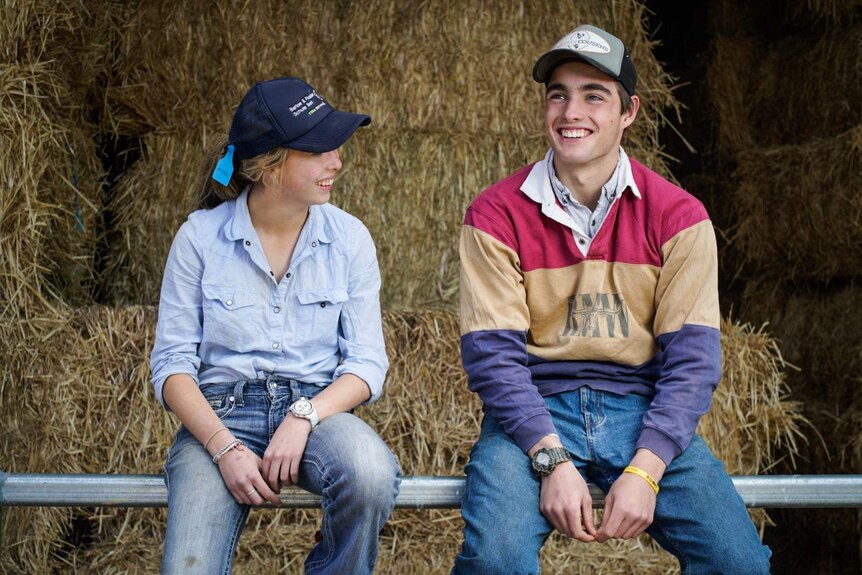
634, 231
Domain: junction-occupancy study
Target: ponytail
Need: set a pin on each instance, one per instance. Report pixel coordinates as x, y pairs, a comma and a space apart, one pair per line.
245, 172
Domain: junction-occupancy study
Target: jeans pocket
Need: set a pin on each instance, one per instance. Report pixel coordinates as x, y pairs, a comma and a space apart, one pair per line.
221, 400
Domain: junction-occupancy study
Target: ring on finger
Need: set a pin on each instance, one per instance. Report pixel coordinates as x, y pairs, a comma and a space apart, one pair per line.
253, 490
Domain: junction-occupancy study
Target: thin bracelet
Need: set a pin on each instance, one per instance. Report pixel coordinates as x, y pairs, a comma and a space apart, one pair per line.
216, 432
643, 475
236, 443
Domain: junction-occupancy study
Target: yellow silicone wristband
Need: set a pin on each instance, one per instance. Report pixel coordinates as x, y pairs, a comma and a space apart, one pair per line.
643, 475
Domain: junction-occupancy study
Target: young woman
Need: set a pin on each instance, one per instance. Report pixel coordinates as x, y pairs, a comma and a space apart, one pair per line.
269, 334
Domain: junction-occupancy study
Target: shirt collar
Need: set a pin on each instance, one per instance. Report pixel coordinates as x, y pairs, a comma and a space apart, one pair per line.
620, 180
239, 226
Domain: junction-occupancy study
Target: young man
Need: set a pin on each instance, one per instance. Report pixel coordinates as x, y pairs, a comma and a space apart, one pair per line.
590, 330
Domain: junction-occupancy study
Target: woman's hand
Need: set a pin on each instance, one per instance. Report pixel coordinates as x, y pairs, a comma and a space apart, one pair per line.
284, 453
240, 469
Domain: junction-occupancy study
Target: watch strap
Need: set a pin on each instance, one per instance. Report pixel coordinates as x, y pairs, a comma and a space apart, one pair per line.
311, 416
556, 456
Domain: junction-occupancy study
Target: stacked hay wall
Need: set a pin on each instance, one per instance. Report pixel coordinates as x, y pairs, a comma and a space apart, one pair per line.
797, 221
90, 410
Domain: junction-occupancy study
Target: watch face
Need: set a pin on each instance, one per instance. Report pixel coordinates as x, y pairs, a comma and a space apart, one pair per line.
543, 459
302, 407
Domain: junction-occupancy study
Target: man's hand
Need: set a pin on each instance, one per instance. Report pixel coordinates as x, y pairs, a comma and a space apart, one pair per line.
629, 509
567, 504
630, 503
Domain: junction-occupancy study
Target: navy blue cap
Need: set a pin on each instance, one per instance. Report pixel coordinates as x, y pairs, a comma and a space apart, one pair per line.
288, 113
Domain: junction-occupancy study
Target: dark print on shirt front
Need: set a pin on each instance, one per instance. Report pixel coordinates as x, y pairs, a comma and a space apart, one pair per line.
597, 315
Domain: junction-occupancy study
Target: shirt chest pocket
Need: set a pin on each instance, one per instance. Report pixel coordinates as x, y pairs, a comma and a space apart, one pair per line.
317, 314
230, 317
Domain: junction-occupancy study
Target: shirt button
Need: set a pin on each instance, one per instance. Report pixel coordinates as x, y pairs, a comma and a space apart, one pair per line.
288, 275
248, 243
229, 302
323, 304
594, 222
314, 244
276, 309
582, 241
231, 399
274, 345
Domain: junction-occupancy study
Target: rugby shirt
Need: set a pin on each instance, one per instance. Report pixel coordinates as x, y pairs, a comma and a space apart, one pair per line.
637, 314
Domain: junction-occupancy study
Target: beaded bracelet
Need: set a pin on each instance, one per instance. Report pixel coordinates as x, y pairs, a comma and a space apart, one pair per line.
643, 475
235, 444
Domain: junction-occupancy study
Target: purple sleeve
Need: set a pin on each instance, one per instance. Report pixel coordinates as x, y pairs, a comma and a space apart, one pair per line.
690, 372
496, 366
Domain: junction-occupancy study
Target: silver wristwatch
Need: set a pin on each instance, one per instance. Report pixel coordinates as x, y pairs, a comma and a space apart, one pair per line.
304, 409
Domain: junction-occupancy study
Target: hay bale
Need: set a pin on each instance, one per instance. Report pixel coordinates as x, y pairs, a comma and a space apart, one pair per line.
808, 323
754, 100
777, 16
149, 203
798, 211
402, 61
781, 110
411, 189
183, 66
51, 176
755, 103
752, 403
730, 76
50, 165
827, 12
415, 226
89, 409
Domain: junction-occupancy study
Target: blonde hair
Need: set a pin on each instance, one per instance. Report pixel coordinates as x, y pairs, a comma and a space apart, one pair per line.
245, 172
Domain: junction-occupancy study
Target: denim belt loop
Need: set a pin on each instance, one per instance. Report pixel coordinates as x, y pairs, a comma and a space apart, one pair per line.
295, 390
237, 393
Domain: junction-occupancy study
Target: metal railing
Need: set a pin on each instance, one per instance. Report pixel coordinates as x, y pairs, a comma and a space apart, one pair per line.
417, 492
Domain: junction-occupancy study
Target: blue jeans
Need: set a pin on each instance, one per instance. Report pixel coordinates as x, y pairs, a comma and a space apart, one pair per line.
345, 461
699, 516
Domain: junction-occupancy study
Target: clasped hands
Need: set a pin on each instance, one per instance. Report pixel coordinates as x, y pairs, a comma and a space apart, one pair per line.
566, 502
253, 480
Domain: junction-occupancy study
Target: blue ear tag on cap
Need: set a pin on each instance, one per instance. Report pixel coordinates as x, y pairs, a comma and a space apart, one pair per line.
224, 168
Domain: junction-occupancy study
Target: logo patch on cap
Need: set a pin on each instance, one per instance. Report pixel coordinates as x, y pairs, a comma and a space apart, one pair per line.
309, 104
583, 41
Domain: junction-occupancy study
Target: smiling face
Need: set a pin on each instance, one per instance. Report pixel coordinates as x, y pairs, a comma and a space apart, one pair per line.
583, 120
306, 178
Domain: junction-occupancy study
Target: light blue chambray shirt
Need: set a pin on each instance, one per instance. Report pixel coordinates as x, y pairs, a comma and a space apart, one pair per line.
223, 316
